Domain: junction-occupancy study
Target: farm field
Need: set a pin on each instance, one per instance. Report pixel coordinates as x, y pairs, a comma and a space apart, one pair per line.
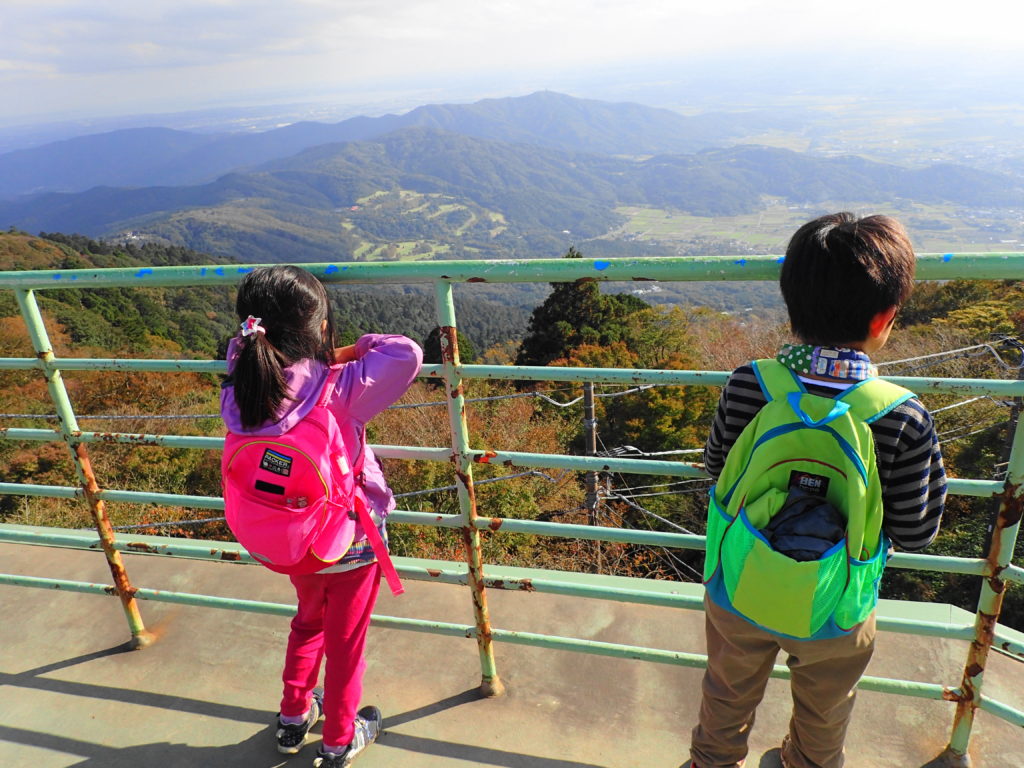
933, 228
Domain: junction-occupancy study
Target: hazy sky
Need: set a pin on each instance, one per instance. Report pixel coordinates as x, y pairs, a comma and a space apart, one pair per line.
84, 58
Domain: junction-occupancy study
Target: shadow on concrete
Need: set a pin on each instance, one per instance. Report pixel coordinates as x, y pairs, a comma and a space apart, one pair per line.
256, 752
34, 678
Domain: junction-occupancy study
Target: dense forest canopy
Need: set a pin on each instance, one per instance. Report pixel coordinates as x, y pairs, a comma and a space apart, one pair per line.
957, 329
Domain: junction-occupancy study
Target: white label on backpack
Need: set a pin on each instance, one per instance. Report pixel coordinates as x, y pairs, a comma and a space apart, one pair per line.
342, 463
275, 462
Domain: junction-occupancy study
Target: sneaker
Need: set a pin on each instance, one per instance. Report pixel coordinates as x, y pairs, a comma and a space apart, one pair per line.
290, 738
368, 725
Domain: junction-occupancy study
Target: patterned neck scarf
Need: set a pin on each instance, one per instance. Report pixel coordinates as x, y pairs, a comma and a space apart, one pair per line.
833, 362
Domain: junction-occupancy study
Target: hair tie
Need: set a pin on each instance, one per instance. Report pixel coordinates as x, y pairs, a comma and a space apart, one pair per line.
252, 325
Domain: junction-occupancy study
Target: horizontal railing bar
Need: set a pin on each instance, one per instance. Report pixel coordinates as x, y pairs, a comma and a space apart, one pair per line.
1007, 644
592, 647
631, 376
1014, 573
634, 376
593, 533
552, 642
978, 266
53, 491
232, 551
1002, 711
512, 459
112, 364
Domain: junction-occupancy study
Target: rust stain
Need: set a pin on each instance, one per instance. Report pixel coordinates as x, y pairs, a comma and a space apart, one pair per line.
495, 523
433, 572
485, 457
526, 585
229, 555
477, 280
585, 280
644, 279
950, 694
973, 671
986, 632
1011, 509
449, 344
118, 437
141, 546
459, 391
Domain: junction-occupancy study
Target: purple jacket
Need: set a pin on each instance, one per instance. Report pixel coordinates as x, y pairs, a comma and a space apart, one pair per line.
384, 367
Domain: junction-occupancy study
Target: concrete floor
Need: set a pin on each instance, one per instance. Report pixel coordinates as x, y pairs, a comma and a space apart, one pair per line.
205, 693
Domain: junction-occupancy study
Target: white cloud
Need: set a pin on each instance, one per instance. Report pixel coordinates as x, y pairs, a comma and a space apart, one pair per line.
71, 51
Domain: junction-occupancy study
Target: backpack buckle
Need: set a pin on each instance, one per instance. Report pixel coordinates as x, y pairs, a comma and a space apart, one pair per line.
352, 515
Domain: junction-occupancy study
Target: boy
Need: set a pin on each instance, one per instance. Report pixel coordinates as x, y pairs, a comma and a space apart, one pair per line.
843, 280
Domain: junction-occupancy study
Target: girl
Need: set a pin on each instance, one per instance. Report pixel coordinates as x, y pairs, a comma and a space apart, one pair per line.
277, 368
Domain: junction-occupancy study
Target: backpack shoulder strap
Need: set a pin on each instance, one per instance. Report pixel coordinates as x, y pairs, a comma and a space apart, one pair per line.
872, 398
776, 380
333, 373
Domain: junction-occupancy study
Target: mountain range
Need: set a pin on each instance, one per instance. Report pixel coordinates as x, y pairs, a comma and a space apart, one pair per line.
502, 177
161, 156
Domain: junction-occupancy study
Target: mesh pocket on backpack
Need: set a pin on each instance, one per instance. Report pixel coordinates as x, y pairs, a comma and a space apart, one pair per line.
862, 593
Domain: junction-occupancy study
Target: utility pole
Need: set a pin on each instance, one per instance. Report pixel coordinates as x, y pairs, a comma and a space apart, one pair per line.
590, 433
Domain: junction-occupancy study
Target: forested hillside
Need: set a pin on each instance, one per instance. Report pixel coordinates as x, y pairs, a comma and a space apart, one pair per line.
424, 193
945, 330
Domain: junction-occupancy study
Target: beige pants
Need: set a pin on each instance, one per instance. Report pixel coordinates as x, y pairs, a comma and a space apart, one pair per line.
823, 676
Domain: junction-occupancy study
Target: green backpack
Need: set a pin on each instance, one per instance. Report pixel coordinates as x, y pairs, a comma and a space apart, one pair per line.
820, 445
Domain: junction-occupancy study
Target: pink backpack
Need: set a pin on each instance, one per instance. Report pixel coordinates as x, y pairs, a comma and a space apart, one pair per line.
293, 500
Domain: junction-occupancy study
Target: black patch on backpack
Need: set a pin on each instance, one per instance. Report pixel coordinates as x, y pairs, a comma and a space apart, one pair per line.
269, 487
276, 462
815, 485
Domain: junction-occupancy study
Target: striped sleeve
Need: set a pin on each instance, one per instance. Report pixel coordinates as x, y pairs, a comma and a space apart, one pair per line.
741, 399
906, 448
912, 474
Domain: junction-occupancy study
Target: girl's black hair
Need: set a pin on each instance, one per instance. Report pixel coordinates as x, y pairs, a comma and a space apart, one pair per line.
293, 306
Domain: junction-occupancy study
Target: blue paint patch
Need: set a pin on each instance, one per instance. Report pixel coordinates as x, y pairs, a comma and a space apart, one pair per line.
74, 277
780, 259
947, 257
602, 265
57, 277
244, 270
741, 262
344, 268
202, 272
144, 272
331, 269
219, 271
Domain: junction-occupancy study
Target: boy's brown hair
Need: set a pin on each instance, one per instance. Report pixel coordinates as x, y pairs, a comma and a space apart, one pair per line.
840, 271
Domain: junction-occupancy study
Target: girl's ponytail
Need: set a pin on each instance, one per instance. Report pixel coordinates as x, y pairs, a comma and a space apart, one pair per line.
296, 324
260, 366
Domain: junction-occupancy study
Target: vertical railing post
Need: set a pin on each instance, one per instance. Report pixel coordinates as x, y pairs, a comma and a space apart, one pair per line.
490, 684
990, 602
83, 467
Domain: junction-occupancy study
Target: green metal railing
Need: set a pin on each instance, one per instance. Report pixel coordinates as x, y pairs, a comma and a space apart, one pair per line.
993, 567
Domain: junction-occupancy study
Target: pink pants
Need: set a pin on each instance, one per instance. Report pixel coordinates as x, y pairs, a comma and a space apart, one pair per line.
332, 619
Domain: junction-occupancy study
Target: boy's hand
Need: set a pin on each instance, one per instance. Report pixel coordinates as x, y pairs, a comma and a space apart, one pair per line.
345, 354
